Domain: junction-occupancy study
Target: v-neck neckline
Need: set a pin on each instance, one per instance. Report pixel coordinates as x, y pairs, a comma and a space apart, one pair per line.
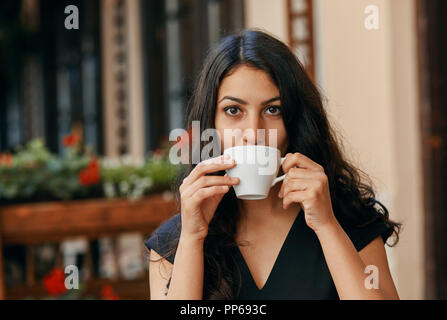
275, 264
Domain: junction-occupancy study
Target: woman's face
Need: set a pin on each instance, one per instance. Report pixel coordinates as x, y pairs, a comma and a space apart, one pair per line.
249, 100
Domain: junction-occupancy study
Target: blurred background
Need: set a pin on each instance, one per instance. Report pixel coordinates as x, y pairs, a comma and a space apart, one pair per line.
86, 109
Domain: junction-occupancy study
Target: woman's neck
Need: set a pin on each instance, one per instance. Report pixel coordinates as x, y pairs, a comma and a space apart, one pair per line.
254, 211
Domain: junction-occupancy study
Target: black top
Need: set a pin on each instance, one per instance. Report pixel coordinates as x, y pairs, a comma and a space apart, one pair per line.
300, 270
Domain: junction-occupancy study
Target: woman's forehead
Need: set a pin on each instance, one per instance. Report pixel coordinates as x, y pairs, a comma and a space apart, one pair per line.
248, 82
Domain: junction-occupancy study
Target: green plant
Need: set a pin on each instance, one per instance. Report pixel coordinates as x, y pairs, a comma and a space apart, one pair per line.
33, 174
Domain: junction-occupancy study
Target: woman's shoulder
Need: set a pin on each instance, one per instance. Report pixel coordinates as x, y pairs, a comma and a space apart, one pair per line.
172, 225
361, 236
164, 239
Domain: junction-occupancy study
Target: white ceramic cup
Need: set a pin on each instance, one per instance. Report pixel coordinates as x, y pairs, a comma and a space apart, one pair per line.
257, 168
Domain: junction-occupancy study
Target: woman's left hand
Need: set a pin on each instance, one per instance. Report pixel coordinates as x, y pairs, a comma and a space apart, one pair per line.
307, 184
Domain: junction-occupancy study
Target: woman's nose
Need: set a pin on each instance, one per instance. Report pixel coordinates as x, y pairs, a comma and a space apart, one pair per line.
253, 131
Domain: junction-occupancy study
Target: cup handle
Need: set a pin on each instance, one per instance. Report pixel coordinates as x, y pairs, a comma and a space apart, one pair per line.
279, 178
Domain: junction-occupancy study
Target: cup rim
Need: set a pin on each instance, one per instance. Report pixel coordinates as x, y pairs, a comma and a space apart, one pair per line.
251, 146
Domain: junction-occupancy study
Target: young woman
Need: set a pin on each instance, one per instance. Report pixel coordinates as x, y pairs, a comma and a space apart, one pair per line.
319, 234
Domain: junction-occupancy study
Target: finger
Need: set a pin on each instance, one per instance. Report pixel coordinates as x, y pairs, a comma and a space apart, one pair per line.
209, 181
207, 166
205, 193
294, 185
225, 158
301, 161
300, 173
295, 196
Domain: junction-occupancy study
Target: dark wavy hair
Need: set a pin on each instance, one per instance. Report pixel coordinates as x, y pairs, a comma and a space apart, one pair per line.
308, 132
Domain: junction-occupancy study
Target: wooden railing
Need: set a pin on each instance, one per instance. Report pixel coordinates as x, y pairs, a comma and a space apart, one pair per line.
54, 222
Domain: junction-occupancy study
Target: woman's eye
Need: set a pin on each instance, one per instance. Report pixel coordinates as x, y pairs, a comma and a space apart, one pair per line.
232, 110
274, 110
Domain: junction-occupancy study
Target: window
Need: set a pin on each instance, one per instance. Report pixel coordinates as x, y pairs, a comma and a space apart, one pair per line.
54, 74
176, 36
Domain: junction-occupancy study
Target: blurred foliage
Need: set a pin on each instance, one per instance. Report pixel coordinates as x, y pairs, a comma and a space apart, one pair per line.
124, 179
34, 174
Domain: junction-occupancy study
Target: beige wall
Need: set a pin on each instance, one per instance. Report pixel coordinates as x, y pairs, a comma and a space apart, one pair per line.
408, 157
369, 78
268, 15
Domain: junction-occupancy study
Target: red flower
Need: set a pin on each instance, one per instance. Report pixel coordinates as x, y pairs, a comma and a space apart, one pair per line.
90, 175
54, 282
5, 160
71, 140
107, 293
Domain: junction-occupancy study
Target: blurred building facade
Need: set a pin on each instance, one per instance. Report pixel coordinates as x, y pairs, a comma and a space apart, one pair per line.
123, 79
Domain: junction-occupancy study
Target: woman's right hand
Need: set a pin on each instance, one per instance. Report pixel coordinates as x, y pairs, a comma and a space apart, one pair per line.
201, 194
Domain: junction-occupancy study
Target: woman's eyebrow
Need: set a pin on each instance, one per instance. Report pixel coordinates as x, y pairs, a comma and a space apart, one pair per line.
244, 102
